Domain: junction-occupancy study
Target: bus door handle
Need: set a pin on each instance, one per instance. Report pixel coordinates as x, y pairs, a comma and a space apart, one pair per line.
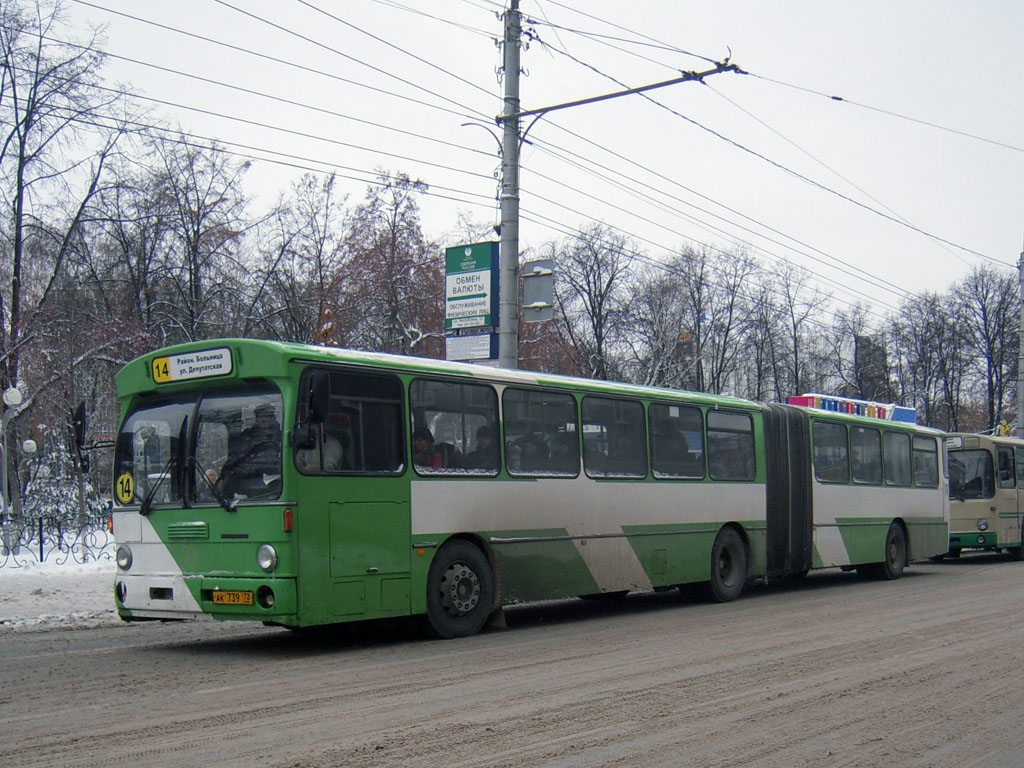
372, 570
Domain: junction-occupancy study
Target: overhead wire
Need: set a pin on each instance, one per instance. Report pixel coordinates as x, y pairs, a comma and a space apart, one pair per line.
890, 113
779, 166
718, 231
401, 157
277, 157
467, 112
381, 40
280, 99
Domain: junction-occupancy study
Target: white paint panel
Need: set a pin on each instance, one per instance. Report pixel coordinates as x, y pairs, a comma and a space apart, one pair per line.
582, 506
842, 501
588, 511
153, 566
831, 549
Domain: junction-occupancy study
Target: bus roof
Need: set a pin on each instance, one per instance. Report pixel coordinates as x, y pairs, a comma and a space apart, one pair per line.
258, 357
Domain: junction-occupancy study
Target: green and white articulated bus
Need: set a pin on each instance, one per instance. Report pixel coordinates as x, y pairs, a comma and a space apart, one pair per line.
301, 485
986, 491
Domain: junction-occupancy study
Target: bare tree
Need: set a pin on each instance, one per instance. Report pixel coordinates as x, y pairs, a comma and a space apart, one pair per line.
49, 107
391, 285
800, 305
593, 292
297, 282
989, 300
208, 219
858, 358
930, 359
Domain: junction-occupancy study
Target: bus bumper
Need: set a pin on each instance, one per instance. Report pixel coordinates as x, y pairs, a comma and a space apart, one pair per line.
195, 597
975, 540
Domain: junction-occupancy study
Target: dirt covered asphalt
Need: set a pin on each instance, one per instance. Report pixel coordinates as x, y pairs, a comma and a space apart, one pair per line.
834, 671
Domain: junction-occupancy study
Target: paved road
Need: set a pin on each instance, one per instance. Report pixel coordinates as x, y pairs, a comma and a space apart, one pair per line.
834, 671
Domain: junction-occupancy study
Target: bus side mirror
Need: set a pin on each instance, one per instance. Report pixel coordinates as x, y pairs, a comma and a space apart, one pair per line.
304, 438
79, 423
318, 395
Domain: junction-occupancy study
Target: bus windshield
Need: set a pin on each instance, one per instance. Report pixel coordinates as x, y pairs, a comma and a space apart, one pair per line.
201, 448
971, 475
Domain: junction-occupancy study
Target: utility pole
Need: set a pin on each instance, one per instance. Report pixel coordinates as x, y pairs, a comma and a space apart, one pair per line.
508, 249
1019, 431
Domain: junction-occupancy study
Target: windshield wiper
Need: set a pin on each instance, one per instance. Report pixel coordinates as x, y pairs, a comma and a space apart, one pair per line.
230, 506
147, 503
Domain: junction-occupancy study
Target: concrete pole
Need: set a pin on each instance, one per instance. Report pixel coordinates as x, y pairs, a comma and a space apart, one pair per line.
1019, 431
508, 253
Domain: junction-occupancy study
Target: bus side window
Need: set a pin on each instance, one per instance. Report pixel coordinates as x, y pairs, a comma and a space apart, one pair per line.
730, 446
1007, 476
831, 452
541, 434
614, 438
359, 428
866, 455
677, 441
455, 428
898, 458
1019, 456
926, 462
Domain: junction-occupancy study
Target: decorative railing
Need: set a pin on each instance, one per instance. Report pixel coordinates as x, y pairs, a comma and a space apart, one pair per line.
26, 541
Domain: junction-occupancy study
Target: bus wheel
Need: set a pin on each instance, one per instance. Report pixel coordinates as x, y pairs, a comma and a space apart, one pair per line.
1017, 553
728, 566
460, 590
895, 556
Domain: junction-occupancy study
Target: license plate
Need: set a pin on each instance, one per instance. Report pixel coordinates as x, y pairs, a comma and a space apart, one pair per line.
232, 597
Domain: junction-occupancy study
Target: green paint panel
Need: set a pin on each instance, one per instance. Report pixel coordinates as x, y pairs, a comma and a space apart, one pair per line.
864, 538
681, 554
537, 570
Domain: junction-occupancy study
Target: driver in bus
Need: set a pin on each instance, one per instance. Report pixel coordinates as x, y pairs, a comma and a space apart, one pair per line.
253, 467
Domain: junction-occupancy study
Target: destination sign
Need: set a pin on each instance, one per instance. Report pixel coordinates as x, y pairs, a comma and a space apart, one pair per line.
192, 365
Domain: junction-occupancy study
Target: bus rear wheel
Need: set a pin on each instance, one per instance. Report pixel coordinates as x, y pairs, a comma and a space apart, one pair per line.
895, 556
728, 566
460, 590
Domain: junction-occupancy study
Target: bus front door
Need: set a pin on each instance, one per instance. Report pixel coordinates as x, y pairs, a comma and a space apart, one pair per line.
370, 547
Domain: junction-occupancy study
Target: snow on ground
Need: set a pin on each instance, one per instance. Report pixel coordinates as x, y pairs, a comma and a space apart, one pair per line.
43, 596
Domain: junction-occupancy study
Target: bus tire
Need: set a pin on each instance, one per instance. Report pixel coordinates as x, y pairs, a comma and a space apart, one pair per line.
891, 568
460, 590
1017, 553
728, 566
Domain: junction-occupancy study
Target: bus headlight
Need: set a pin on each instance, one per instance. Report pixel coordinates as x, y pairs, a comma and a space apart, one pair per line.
983, 525
266, 557
124, 557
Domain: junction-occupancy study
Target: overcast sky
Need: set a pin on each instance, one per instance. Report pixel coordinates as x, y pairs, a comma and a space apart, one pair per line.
764, 160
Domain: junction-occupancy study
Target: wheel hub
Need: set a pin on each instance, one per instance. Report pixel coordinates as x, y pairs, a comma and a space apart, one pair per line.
460, 590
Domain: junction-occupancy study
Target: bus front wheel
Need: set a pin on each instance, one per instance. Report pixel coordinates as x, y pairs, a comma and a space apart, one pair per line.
728, 566
460, 590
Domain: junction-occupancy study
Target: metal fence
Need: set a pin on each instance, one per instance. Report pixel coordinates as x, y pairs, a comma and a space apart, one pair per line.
26, 541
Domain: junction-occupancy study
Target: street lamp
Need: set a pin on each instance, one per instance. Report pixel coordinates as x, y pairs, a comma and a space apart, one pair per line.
12, 399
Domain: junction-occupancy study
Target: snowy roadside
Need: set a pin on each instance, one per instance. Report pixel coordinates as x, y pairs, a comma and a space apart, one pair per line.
46, 596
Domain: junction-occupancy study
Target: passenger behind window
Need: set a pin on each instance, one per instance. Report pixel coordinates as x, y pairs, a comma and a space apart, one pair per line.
424, 454
565, 454
672, 452
325, 455
485, 454
534, 453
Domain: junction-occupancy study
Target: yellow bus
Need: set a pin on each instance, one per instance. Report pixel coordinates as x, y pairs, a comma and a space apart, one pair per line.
986, 492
